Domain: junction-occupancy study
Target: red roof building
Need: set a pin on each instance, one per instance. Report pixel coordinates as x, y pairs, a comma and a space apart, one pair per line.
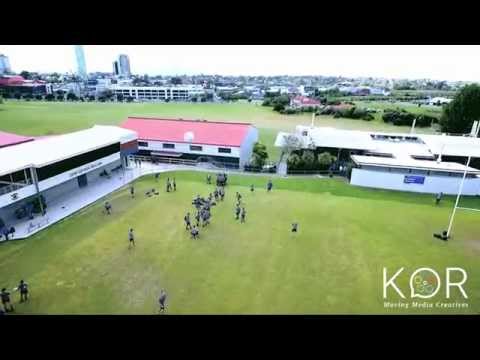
301, 101
8, 139
174, 130
228, 143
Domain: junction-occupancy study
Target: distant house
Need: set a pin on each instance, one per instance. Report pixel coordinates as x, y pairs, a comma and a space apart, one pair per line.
17, 84
303, 101
438, 101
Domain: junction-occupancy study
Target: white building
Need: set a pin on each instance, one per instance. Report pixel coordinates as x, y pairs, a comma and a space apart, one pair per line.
408, 162
54, 166
159, 93
4, 65
225, 143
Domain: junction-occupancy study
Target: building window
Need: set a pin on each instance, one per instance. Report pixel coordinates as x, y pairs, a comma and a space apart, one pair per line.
225, 150
168, 146
195, 148
304, 133
143, 143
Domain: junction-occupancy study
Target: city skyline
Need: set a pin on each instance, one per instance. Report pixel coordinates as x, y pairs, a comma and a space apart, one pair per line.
452, 63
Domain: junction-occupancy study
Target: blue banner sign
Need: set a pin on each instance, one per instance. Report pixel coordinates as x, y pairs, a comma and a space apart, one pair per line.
413, 179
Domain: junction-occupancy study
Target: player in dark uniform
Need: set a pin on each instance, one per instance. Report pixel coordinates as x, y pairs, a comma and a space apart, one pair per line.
108, 208
5, 295
197, 218
194, 232
131, 238
438, 198
215, 194
252, 188
244, 213
269, 185
162, 299
23, 288
237, 212
168, 185
187, 221
132, 191
174, 185
239, 197
294, 227
157, 175
209, 179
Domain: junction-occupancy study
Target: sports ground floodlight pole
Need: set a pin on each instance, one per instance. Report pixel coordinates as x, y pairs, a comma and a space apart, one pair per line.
460, 189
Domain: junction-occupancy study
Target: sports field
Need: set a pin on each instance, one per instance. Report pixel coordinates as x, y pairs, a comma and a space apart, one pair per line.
47, 118
333, 265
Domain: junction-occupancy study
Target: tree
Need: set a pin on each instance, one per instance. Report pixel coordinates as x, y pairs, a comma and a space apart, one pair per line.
72, 97
1, 99
17, 96
325, 160
26, 75
49, 97
308, 158
294, 161
291, 143
175, 81
120, 97
39, 97
259, 155
129, 98
459, 115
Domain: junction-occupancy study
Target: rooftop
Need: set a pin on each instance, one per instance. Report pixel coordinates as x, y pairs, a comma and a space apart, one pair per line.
409, 163
56, 148
174, 130
8, 139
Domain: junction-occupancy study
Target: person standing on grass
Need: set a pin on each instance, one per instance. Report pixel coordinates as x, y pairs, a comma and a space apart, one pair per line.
194, 233
252, 188
209, 179
23, 288
108, 208
131, 238
5, 295
222, 193
174, 185
269, 185
239, 197
197, 218
294, 227
157, 175
244, 214
215, 194
162, 299
438, 198
132, 191
237, 212
168, 184
187, 221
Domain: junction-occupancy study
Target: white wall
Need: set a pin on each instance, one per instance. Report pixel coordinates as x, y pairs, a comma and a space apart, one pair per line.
185, 148
433, 184
247, 146
61, 178
6, 199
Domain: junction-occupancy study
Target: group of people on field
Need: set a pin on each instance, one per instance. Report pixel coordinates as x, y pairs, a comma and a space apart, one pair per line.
22, 288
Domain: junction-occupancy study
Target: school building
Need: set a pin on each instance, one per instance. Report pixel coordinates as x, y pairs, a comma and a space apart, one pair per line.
34, 174
226, 144
396, 161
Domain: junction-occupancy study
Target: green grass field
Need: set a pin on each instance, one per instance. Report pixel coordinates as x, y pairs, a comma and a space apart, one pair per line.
332, 266
47, 118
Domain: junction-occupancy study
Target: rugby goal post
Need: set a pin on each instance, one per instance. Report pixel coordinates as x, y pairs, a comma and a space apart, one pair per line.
473, 133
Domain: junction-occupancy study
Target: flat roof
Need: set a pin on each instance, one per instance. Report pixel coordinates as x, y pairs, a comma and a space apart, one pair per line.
8, 139
56, 148
413, 164
204, 132
427, 146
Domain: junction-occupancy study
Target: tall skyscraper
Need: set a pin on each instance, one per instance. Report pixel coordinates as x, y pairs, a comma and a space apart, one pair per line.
124, 65
81, 66
116, 70
4, 64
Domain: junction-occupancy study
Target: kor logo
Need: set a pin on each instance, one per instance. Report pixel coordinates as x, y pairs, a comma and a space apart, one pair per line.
425, 282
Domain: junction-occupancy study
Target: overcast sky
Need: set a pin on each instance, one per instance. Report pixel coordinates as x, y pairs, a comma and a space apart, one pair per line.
419, 61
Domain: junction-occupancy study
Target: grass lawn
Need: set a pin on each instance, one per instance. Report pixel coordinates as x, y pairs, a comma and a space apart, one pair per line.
333, 265
47, 118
